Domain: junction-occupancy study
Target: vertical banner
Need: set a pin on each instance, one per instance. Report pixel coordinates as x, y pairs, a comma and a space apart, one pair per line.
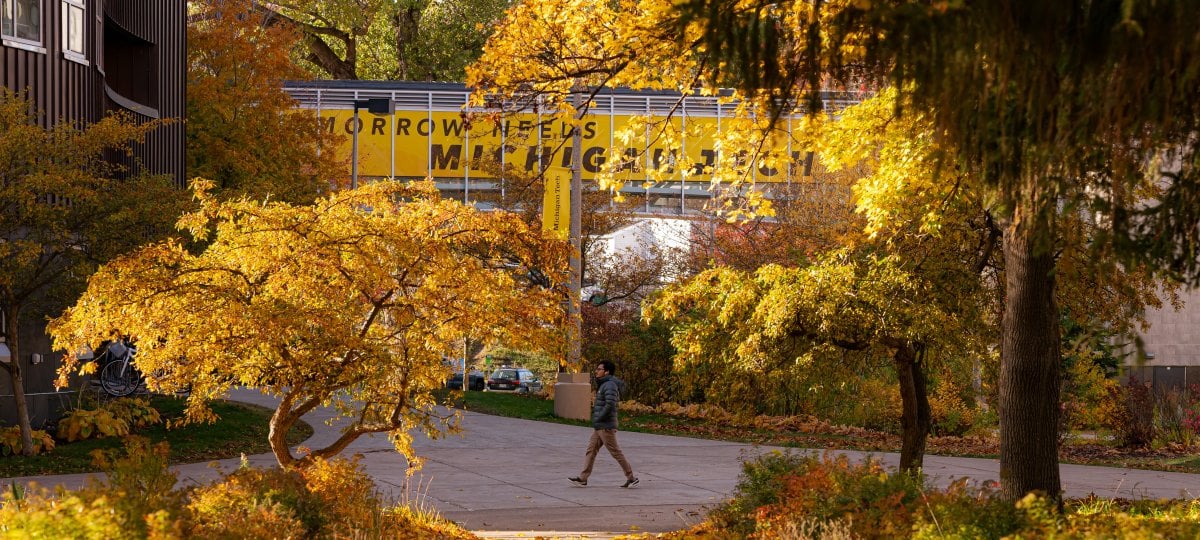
556, 207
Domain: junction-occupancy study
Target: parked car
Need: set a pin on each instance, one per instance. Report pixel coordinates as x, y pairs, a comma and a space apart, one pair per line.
476, 381
519, 380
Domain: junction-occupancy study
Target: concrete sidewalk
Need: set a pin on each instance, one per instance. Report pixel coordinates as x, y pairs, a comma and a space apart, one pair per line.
508, 478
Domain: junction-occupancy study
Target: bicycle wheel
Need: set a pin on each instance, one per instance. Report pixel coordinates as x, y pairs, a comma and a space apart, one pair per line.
119, 379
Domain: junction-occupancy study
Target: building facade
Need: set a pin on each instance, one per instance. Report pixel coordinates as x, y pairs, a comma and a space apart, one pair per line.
1171, 345
79, 60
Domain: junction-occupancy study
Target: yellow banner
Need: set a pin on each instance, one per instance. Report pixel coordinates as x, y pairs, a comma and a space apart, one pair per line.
556, 206
443, 145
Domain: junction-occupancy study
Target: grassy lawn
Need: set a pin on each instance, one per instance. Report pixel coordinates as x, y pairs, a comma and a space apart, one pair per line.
242, 429
1087, 453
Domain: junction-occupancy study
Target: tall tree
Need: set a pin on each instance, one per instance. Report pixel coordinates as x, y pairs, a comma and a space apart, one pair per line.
356, 300
1052, 109
244, 132
62, 212
1058, 108
417, 40
915, 285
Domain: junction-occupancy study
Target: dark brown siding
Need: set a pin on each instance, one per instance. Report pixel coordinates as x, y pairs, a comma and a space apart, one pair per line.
163, 25
64, 89
81, 92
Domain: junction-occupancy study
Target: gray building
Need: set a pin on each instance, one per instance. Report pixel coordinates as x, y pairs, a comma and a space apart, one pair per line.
1172, 345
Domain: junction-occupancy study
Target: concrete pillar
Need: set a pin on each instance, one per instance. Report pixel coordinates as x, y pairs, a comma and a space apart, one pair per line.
573, 396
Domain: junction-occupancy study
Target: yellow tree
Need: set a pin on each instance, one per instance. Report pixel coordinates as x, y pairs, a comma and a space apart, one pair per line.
912, 286
354, 301
63, 210
1054, 111
243, 131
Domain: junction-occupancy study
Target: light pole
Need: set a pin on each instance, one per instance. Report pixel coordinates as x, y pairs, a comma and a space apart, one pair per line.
373, 106
575, 346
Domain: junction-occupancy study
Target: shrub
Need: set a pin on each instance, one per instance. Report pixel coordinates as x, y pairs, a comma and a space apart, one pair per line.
346, 493
81, 424
140, 485
113, 419
875, 404
1131, 413
43, 514
1171, 410
782, 491
1085, 390
951, 415
251, 503
137, 412
328, 499
10, 441
136, 502
784, 495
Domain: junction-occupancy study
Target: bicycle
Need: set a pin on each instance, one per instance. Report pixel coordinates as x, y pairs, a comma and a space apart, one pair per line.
119, 377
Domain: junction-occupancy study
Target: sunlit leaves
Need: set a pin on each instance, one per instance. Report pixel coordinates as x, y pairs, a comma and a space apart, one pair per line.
243, 131
352, 301
418, 40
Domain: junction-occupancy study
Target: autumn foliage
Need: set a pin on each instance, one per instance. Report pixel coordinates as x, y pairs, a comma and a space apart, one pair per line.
244, 131
138, 499
352, 301
65, 208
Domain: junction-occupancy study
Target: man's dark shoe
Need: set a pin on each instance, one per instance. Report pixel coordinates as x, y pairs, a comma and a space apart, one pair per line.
630, 483
578, 481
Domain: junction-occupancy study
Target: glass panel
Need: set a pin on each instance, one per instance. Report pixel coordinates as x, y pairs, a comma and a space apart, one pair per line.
6, 19
29, 20
74, 29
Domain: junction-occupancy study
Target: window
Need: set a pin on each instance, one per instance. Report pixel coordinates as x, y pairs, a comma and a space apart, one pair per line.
21, 19
72, 26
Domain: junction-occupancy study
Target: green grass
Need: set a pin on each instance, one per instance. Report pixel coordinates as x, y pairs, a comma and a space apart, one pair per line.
514, 406
242, 429
1189, 464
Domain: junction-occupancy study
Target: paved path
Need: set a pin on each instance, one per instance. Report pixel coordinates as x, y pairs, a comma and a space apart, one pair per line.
507, 477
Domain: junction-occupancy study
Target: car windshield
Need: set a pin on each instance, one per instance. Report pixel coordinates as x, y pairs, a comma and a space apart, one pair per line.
505, 375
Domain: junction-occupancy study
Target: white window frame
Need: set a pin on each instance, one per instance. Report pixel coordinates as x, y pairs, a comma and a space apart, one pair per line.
68, 53
8, 12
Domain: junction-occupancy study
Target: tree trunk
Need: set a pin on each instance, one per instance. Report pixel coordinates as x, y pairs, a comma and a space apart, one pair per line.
915, 419
281, 422
1029, 360
18, 382
406, 24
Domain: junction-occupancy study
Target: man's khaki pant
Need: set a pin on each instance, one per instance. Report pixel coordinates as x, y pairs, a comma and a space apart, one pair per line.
608, 439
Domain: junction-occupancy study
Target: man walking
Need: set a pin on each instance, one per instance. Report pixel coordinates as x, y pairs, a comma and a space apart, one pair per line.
604, 421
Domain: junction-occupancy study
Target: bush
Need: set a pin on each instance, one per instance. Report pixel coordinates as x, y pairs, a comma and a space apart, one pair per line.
328, 499
951, 415
10, 441
1085, 390
785, 495
81, 424
784, 491
112, 419
135, 502
251, 503
137, 412
1131, 413
872, 402
139, 487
